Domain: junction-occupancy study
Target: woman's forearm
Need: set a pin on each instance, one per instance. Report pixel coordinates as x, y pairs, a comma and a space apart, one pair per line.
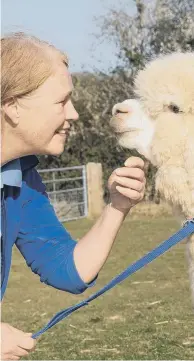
92, 250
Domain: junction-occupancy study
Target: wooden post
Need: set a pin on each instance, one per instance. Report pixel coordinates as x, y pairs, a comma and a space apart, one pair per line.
95, 189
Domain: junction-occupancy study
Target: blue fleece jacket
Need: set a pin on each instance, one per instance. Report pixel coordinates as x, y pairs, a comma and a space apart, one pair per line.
28, 220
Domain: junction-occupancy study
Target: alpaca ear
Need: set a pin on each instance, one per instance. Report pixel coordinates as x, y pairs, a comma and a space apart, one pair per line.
10, 109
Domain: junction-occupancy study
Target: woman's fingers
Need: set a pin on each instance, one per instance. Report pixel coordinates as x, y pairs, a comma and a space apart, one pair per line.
134, 173
27, 343
130, 193
20, 352
130, 183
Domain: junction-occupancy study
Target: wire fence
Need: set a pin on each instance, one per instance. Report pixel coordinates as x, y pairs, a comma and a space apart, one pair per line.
67, 190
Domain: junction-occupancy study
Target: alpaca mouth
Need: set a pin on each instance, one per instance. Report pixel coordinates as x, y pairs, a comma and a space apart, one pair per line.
129, 130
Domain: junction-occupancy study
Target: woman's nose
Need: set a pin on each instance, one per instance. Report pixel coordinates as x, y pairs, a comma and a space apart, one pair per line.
72, 114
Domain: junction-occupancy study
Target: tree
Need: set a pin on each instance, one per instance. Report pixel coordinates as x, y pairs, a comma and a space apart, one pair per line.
158, 26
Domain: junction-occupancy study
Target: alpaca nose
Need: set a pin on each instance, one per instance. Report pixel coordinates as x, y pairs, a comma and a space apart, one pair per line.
121, 108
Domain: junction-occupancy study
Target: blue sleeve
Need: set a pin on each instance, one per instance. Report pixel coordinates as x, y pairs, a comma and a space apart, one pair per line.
43, 241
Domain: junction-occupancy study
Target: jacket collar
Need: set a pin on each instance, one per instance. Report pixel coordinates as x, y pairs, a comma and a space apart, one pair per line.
30, 161
11, 173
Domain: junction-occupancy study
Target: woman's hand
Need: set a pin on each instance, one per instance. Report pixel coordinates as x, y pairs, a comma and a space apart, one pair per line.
15, 343
127, 184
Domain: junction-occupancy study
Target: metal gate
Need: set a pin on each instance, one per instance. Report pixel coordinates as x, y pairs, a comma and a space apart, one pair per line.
67, 191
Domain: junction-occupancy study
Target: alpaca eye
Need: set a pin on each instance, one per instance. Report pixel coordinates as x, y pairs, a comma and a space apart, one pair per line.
174, 108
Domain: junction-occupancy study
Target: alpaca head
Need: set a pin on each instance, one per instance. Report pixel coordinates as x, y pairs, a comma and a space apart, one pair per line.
159, 121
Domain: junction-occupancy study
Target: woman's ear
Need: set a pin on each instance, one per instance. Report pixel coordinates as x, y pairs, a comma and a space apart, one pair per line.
10, 108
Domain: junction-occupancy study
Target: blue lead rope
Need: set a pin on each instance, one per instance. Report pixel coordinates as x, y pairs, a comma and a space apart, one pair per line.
184, 232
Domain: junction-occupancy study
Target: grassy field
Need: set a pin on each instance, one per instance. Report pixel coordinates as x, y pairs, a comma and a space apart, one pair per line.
147, 317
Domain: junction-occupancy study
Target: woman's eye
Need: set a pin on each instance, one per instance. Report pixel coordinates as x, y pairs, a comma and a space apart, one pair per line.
174, 108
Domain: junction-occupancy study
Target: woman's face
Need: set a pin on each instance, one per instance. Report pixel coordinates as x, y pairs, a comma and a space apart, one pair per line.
44, 117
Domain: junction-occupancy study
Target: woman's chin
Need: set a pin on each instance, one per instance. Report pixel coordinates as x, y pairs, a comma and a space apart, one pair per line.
55, 149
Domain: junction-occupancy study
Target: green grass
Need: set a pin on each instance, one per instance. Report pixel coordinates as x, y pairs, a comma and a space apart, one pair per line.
147, 317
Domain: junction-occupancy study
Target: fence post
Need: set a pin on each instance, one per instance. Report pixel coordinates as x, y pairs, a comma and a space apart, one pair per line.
54, 189
95, 189
85, 193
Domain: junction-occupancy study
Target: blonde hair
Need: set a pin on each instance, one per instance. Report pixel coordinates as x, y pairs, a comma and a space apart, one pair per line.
26, 63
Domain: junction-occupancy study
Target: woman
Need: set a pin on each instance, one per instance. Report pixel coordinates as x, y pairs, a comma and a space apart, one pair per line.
37, 112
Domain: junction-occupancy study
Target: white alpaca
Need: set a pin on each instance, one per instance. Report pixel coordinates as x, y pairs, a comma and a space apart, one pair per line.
160, 126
